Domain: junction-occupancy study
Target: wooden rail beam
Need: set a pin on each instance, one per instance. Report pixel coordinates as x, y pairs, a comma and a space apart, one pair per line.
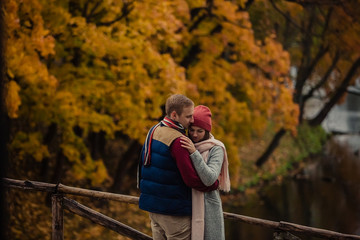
103, 220
251, 220
315, 232
291, 227
98, 194
29, 185
60, 188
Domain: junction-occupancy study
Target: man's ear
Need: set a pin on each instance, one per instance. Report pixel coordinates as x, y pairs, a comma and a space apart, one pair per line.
173, 115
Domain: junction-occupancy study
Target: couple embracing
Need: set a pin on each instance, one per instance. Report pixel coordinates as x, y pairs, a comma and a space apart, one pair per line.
180, 177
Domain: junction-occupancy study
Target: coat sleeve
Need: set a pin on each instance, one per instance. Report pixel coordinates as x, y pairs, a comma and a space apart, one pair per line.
210, 171
187, 170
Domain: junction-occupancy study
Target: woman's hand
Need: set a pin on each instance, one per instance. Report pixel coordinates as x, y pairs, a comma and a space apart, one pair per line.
188, 144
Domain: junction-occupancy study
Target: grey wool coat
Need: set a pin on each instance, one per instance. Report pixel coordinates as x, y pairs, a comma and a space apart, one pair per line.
209, 173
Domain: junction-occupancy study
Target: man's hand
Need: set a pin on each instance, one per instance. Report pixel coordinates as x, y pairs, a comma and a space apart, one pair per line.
188, 144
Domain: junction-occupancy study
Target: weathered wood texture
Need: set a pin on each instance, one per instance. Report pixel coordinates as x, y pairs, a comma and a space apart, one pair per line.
285, 236
277, 226
60, 188
57, 217
103, 220
291, 227
315, 232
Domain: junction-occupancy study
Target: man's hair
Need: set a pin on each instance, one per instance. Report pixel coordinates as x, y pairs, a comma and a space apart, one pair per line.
177, 103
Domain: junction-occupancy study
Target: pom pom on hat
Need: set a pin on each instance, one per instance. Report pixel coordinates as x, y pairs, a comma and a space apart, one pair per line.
202, 117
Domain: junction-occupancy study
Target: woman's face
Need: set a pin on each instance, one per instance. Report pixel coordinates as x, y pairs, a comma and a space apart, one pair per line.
196, 134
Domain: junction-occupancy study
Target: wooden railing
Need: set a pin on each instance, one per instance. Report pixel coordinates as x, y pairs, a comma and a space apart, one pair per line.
282, 230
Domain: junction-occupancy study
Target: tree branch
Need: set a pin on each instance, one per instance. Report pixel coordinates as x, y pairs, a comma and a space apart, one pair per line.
271, 148
194, 13
126, 10
323, 79
328, 17
94, 9
85, 9
209, 6
305, 69
286, 16
339, 93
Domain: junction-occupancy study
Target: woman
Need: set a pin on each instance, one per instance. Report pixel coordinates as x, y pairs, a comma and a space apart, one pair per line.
210, 161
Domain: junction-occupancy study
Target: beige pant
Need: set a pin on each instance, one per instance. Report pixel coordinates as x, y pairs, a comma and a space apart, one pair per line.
166, 227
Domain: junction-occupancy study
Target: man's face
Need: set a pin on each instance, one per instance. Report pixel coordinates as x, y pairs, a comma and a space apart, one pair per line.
186, 117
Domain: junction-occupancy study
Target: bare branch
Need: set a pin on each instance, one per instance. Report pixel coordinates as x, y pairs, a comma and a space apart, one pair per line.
210, 5
339, 93
286, 16
324, 78
85, 9
94, 9
126, 10
307, 64
328, 17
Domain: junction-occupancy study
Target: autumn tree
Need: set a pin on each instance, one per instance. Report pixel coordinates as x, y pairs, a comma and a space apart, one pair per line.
243, 81
89, 78
80, 71
322, 38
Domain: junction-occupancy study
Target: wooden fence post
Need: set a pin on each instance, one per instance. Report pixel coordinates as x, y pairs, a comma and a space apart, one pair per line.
57, 217
280, 235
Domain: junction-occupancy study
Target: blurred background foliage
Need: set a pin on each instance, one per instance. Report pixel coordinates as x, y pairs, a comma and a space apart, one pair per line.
86, 79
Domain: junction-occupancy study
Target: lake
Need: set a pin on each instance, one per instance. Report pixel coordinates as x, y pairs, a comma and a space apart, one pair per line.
326, 194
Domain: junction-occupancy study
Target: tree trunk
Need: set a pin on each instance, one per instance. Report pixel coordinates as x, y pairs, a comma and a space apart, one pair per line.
57, 174
97, 144
271, 148
127, 160
48, 139
4, 135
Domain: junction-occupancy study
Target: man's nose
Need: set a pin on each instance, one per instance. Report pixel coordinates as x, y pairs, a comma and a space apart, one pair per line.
192, 120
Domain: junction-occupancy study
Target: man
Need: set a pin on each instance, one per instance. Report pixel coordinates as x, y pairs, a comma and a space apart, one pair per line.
167, 175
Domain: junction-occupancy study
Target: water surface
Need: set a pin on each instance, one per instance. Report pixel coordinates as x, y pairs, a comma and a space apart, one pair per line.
325, 195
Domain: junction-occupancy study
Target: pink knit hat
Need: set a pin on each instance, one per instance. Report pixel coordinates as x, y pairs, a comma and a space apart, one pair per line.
202, 117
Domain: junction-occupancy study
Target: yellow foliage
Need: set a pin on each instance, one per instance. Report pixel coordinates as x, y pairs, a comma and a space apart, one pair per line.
99, 173
29, 144
13, 100
25, 209
107, 67
196, 3
101, 72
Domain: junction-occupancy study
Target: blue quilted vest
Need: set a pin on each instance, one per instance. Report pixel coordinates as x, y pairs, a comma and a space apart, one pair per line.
162, 188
